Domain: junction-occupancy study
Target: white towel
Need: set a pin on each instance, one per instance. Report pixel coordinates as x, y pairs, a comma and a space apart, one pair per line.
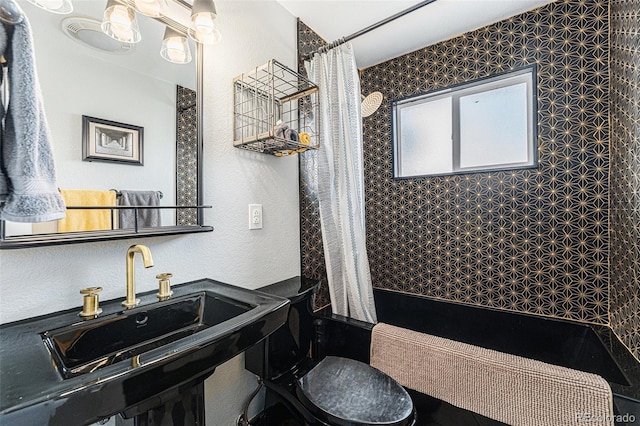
28, 189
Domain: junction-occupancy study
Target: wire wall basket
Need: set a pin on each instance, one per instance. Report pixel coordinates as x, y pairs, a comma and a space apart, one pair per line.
276, 111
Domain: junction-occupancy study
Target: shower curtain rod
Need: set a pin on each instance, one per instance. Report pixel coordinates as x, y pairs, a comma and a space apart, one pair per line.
369, 28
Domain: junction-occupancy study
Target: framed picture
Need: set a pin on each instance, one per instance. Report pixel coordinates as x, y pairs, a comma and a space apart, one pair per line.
104, 140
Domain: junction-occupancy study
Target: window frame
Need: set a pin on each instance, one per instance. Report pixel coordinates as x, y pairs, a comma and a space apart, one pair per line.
526, 75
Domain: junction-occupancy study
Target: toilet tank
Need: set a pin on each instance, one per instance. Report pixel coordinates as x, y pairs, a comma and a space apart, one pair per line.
288, 346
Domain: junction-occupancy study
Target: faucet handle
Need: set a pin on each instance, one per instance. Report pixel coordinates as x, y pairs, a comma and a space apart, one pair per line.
90, 302
164, 285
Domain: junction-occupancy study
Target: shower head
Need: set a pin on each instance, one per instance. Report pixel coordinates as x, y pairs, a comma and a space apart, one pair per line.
371, 103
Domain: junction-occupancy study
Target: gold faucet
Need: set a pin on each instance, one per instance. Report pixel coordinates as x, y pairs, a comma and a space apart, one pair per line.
147, 260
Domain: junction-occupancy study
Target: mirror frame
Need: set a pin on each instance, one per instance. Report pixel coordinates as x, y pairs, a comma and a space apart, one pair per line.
39, 240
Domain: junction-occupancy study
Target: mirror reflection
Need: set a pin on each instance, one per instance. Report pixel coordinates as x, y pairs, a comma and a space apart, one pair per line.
83, 72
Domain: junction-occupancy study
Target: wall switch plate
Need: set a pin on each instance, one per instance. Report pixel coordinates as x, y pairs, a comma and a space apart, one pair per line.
255, 216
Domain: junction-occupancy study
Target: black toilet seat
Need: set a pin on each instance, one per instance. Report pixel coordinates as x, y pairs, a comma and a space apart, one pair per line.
345, 392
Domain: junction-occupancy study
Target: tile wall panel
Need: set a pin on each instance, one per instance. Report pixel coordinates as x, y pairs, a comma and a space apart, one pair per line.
187, 156
532, 241
312, 250
625, 172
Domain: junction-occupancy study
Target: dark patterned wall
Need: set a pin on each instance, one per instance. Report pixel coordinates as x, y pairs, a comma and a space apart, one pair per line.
532, 241
625, 172
186, 156
312, 250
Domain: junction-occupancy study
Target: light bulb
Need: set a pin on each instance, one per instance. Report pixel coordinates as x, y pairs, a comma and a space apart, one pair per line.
203, 30
175, 51
152, 8
203, 23
175, 47
56, 6
120, 23
51, 4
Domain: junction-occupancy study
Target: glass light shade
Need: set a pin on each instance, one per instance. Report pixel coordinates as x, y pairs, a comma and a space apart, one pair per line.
120, 23
152, 8
202, 29
63, 7
175, 47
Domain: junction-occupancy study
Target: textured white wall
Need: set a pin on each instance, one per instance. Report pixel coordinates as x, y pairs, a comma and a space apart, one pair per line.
43, 280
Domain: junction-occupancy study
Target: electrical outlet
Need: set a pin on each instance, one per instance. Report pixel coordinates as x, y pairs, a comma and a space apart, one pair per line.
255, 216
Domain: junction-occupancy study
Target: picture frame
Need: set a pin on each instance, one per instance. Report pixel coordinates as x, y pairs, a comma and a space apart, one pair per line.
109, 141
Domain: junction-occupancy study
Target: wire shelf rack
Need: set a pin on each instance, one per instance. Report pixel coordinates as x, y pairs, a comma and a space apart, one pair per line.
276, 111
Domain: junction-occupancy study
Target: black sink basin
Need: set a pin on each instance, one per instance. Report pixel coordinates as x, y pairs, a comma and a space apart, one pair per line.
87, 346
59, 369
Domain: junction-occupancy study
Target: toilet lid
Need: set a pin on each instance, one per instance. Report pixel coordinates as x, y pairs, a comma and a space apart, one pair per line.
348, 392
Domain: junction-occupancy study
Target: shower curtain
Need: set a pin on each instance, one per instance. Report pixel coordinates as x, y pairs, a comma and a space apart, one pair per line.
341, 183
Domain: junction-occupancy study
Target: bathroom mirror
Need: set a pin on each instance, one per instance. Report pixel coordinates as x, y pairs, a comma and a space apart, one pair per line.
132, 85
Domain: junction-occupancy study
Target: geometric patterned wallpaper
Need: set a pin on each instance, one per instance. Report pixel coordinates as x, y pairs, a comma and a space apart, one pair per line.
186, 156
311, 248
625, 172
533, 241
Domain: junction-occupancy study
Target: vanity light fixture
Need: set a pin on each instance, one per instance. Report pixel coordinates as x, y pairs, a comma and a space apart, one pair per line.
202, 28
120, 23
63, 7
152, 8
175, 47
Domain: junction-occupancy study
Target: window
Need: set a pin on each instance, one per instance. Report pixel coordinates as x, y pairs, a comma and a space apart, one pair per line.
484, 125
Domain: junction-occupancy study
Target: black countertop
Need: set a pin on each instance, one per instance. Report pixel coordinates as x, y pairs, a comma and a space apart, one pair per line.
34, 392
294, 289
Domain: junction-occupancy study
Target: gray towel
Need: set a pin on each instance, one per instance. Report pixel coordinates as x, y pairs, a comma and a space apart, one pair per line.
283, 131
28, 186
279, 130
147, 218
